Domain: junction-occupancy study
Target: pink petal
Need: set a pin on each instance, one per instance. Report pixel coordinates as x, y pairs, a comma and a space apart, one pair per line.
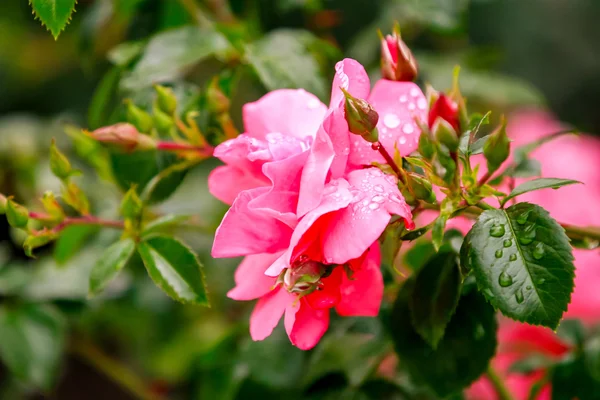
398, 105
585, 300
250, 279
293, 112
305, 326
268, 312
362, 293
375, 197
351, 75
226, 182
246, 231
244, 152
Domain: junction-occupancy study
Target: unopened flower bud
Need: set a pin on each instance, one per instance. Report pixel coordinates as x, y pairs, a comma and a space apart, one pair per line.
426, 147
303, 277
17, 215
166, 99
218, 102
124, 136
3, 201
59, 163
447, 109
139, 118
421, 188
497, 148
162, 121
445, 134
131, 205
397, 61
52, 206
34, 241
361, 118
74, 196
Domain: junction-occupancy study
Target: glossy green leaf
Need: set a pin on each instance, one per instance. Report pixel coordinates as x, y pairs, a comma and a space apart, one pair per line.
437, 232
71, 239
169, 54
110, 264
175, 269
454, 365
33, 339
523, 263
283, 59
537, 184
435, 296
163, 224
54, 14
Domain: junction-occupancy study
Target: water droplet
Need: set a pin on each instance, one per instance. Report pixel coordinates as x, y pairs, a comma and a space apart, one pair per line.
540, 281
507, 243
411, 106
378, 199
519, 296
538, 251
395, 199
498, 254
373, 206
378, 188
422, 103
505, 280
522, 218
528, 287
402, 140
527, 238
346, 151
391, 121
375, 146
513, 257
313, 103
408, 129
403, 98
497, 230
488, 293
414, 92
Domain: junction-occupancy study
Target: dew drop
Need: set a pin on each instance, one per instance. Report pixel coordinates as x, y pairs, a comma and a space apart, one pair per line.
528, 287
395, 199
498, 254
525, 240
522, 218
513, 257
497, 230
422, 104
411, 106
375, 146
538, 251
519, 296
540, 281
408, 129
403, 98
402, 140
507, 243
313, 103
414, 92
391, 121
373, 206
505, 280
378, 199
527, 235
488, 293
346, 151
378, 188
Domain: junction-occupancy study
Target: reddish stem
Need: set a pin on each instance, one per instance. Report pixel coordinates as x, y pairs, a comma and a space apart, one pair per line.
379, 147
85, 220
484, 178
182, 147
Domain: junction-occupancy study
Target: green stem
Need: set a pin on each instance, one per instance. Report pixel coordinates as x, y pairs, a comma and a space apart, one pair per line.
499, 385
113, 369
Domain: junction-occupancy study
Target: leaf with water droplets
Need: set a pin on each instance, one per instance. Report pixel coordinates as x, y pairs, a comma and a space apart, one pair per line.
537, 184
435, 296
54, 14
532, 280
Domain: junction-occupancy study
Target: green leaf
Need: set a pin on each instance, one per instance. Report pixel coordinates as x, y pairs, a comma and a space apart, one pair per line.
163, 224
54, 14
437, 233
174, 268
575, 377
110, 264
435, 296
169, 54
523, 263
283, 59
520, 154
418, 255
537, 184
33, 339
71, 239
453, 365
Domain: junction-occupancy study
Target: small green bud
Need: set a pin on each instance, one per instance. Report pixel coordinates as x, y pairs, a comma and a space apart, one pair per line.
52, 206
445, 134
34, 241
131, 205
59, 163
74, 196
138, 117
421, 188
3, 201
216, 99
426, 147
497, 148
124, 137
163, 122
166, 99
361, 117
17, 215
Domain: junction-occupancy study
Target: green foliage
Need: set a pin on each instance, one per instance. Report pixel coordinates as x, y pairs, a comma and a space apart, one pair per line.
110, 264
174, 268
453, 365
33, 339
537, 184
523, 263
54, 14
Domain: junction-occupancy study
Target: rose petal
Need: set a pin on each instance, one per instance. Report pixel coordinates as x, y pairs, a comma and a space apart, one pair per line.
226, 182
305, 326
250, 279
268, 312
